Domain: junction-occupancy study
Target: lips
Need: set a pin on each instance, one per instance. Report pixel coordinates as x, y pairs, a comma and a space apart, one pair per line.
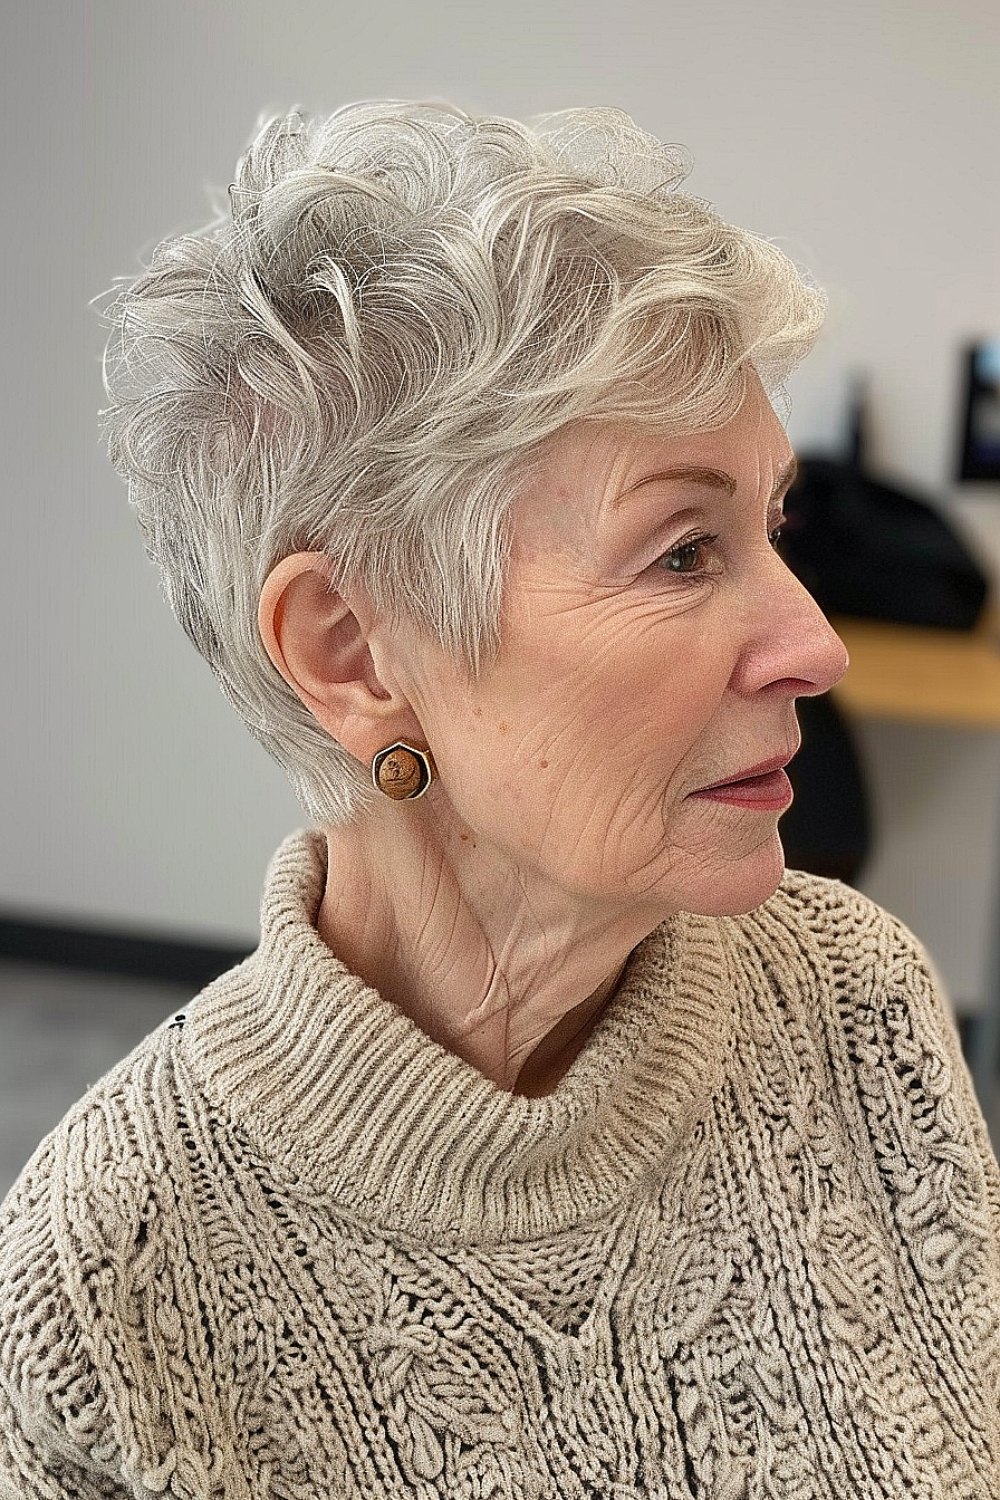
763, 768
762, 788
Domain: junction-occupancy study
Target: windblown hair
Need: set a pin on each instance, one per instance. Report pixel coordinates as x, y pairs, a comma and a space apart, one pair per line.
364, 350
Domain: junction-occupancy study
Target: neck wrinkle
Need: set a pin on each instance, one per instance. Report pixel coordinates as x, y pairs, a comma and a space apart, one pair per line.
489, 978
342, 1093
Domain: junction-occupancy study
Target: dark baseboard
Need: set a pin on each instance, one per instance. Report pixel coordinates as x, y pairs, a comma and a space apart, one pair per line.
152, 958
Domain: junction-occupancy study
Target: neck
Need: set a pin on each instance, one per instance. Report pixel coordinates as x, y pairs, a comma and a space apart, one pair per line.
486, 956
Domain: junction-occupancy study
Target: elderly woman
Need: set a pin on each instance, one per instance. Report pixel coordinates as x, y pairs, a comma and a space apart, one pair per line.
554, 1142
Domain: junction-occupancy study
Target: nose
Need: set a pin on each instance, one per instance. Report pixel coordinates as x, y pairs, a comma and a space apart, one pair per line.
790, 644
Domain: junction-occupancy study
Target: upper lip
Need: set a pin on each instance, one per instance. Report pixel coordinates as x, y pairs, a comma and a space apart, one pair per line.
760, 769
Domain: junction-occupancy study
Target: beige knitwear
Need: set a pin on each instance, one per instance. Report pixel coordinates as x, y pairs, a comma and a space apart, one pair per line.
748, 1247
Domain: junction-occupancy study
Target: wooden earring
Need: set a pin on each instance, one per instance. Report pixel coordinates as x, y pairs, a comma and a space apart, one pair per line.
403, 772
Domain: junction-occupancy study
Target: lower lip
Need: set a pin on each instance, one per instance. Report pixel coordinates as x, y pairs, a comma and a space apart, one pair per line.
770, 793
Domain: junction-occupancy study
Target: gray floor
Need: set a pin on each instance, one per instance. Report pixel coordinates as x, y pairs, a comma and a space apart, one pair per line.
59, 1031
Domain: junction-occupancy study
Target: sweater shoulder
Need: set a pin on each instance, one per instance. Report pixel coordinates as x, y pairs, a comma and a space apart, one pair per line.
839, 920
63, 1220
53, 1406
96, 1152
822, 929
73, 1230
863, 986
838, 957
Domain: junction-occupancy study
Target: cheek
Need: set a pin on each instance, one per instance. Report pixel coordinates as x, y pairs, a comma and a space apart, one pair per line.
661, 698
631, 703
611, 754
589, 733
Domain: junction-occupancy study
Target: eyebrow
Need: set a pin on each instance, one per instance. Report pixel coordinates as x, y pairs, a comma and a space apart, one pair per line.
715, 479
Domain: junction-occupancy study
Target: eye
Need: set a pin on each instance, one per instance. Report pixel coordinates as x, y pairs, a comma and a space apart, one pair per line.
688, 556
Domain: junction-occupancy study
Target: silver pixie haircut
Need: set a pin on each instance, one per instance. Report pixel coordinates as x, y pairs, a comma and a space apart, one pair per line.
364, 349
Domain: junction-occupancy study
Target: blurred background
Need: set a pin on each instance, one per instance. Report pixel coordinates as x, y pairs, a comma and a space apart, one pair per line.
138, 816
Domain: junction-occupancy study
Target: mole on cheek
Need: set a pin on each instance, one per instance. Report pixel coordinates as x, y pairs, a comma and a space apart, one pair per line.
503, 727
543, 764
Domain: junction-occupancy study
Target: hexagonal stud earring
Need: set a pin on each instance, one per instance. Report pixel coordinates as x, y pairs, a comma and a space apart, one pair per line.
403, 772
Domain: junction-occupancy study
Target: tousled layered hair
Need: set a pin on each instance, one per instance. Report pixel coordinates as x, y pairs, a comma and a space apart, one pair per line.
365, 350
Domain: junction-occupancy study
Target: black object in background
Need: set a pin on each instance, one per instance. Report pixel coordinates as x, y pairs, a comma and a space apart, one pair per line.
827, 830
866, 548
979, 451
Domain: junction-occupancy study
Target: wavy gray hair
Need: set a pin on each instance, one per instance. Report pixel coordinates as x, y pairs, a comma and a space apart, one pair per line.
364, 349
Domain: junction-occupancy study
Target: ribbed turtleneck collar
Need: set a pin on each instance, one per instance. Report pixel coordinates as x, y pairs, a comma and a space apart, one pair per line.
342, 1091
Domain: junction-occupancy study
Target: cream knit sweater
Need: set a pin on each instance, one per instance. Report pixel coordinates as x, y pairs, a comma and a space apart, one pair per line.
749, 1247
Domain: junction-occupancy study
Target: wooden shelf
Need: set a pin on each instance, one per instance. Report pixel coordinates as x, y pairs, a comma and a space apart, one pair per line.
922, 676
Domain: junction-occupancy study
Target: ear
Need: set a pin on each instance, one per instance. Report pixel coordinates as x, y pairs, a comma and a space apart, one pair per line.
320, 645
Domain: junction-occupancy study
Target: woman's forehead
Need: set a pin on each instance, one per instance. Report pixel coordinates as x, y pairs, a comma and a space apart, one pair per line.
594, 467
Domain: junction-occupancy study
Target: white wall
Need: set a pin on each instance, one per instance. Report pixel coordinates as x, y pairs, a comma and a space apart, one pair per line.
861, 135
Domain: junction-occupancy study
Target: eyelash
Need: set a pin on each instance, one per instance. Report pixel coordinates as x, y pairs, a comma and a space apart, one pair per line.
694, 543
690, 544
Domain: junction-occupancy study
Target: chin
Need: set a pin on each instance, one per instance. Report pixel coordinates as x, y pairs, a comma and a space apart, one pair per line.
741, 885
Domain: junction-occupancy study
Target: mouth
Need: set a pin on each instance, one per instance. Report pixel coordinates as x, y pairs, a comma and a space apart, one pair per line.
764, 786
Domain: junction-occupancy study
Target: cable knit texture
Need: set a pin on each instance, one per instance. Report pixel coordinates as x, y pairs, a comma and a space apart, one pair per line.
291, 1249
